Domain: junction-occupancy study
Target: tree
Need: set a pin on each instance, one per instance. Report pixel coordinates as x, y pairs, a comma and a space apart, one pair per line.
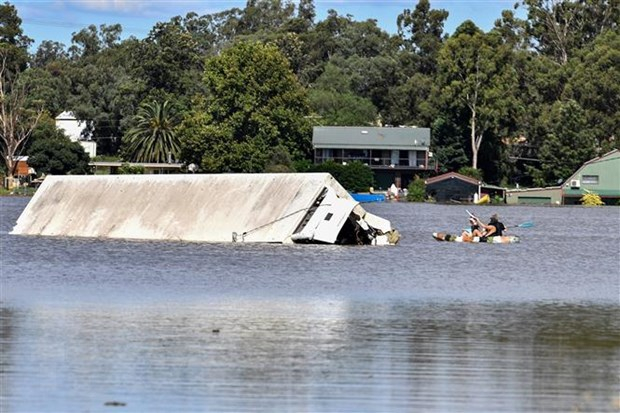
48, 52
13, 43
268, 15
17, 120
593, 84
280, 161
106, 94
475, 70
354, 176
254, 103
426, 29
341, 109
153, 138
91, 40
568, 143
58, 156
332, 99
561, 27
168, 60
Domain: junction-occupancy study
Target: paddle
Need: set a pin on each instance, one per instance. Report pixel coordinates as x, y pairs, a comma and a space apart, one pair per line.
526, 224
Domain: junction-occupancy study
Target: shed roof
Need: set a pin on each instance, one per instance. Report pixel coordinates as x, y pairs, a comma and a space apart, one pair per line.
609, 156
360, 137
464, 178
452, 175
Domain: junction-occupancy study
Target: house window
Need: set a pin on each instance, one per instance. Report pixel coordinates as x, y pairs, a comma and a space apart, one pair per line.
589, 179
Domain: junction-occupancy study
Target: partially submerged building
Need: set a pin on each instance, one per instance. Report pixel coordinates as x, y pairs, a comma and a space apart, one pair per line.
455, 187
600, 175
534, 196
273, 208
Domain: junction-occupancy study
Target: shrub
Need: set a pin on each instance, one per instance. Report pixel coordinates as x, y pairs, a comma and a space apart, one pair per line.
354, 176
591, 199
471, 172
127, 169
416, 191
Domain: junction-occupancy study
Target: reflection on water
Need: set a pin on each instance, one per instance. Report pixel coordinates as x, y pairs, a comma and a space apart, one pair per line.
312, 356
423, 326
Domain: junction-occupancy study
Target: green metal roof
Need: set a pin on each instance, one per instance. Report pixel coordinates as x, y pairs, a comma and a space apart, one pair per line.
606, 168
354, 137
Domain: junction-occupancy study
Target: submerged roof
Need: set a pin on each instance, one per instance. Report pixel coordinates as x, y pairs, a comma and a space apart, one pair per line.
200, 207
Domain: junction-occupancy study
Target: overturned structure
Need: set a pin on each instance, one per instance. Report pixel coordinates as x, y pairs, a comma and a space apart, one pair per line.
274, 208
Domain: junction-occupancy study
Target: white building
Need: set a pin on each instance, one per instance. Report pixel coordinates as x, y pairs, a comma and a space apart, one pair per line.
74, 128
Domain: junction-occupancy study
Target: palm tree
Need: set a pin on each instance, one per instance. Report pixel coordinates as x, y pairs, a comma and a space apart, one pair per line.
153, 138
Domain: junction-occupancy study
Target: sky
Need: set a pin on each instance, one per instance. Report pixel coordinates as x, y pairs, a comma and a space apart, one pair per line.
56, 20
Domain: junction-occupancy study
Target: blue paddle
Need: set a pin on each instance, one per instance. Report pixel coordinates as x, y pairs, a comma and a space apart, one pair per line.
527, 224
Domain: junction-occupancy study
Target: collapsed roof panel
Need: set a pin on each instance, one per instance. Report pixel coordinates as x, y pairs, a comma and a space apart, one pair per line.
204, 208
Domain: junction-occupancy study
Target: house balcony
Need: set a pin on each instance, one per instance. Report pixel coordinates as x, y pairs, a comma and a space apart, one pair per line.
383, 163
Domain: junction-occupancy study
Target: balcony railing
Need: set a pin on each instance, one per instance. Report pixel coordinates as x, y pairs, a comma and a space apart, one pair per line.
380, 163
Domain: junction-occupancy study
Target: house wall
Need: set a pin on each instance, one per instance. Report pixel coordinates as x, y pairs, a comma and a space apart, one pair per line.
452, 190
534, 196
72, 127
601, 176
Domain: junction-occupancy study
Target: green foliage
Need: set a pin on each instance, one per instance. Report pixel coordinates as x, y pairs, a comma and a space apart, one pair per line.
593, 84
280, 161
478, 77
105, 93
425, 27
354, 176
153, 138
471, 172
128, 169
559, 28
569, 142
302, 165
416, 191
341, 109
170, 59
255, 103
13, 43
58, 156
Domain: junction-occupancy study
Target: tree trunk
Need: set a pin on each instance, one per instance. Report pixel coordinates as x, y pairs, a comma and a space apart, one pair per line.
474, 145
16, 121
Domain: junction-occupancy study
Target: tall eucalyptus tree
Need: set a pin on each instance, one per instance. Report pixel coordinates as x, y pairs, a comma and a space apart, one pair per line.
476, 74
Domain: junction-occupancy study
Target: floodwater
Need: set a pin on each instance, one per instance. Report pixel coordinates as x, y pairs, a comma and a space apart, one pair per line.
92, 325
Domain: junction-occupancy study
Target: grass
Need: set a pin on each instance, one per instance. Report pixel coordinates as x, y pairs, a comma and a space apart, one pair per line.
21, 191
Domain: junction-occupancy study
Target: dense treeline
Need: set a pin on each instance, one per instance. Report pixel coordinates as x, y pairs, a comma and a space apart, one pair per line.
527, 102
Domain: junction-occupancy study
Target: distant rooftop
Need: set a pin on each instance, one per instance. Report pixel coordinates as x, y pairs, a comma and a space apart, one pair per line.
360, 137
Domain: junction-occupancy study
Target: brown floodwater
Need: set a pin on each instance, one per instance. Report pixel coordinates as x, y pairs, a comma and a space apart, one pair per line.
97, 325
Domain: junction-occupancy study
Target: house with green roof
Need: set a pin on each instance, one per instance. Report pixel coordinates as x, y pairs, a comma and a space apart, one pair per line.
395, 154
599, 175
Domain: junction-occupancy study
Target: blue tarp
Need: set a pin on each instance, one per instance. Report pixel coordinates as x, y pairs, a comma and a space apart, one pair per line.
362, 198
